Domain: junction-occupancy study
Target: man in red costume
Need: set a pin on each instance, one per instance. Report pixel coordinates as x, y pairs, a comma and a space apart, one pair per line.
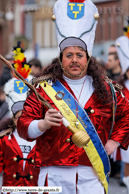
90, 102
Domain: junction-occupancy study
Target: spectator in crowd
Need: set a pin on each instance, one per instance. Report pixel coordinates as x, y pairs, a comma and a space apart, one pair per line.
36, 67
113, 65
4, 110
112, 49
6, 74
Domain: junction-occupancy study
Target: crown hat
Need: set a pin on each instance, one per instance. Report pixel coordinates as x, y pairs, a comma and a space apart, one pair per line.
122, 46
75, 22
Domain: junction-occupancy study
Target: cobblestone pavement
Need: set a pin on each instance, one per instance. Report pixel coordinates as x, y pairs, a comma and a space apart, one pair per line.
114, 187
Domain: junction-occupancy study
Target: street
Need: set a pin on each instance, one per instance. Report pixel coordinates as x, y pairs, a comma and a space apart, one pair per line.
114, 187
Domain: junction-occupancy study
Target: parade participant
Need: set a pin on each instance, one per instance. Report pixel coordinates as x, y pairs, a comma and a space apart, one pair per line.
79, 91
16, 154
122, 45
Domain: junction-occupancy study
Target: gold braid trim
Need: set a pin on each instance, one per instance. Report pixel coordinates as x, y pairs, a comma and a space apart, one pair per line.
116, 85
40, 79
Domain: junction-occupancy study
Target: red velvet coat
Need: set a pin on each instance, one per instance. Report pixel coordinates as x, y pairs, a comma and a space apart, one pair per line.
9, 149
52, 148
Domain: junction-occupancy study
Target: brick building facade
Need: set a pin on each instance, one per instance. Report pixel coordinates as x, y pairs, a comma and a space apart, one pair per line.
34, 22
6, 26
110, 23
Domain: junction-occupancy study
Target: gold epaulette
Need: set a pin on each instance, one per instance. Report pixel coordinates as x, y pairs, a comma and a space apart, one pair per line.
37, 80
115, 84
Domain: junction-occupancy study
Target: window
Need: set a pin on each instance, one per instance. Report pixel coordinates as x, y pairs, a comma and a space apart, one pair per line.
39, 32
47, 33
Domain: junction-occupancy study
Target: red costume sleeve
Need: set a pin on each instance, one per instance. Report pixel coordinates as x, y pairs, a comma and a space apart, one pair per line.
33, 110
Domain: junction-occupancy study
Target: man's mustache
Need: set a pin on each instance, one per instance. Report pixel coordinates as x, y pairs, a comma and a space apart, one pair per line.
74, 64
